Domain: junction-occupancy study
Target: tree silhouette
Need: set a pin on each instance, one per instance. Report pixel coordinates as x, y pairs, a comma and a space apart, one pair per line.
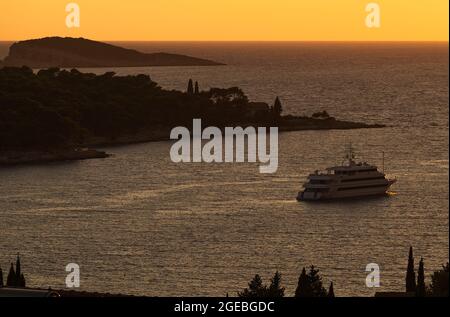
255, 288
321, 115
223, 96
11, 279
439, 282
15, 276
275, 289
277, 107
421, 289
310, 285
410, 273
190, 88
22, 282
18, 271
316, 283
303, 286
331, 290
196, 90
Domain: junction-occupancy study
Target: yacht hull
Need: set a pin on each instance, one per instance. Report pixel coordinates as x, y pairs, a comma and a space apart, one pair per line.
347, 194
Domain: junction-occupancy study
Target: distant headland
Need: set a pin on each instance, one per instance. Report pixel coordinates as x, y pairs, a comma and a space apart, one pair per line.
79, 52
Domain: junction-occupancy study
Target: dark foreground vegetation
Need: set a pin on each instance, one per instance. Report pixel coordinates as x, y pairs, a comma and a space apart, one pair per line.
310, 284
15, 276
57, 110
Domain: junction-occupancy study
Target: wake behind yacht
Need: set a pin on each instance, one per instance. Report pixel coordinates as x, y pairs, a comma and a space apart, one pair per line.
351, 179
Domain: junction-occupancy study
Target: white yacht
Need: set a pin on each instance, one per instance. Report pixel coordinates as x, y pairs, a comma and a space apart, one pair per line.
349, 180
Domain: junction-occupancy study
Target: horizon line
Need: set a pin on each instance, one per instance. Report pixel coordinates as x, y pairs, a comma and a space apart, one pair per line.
245, 41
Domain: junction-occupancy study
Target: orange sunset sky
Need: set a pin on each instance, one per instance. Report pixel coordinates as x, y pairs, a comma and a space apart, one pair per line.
232, 20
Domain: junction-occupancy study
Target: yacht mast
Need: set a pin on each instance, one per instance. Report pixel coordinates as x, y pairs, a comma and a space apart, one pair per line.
350, 155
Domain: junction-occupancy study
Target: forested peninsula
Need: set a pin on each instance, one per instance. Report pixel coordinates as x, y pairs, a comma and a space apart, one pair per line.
54, 114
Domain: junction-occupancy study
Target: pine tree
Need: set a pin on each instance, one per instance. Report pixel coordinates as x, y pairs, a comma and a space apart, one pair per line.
331, 290
190, 89
315, 281
410, 273
1, 277
196, 90
310, 285
256, 284
275, 289
421, 289
255, 288
303, 286
277, 108
11, 279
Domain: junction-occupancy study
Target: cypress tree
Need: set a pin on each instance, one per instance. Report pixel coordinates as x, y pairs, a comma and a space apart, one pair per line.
190, 89
277, 108
11, 279
410, 273
18, 271
421, 289
196, 90
22, 282
303, 286
331, 290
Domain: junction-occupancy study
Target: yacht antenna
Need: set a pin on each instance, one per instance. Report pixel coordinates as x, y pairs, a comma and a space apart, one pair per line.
350, 155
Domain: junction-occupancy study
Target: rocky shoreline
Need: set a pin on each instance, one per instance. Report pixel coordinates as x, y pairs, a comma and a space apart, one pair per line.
290, 124
18, 157
306, 123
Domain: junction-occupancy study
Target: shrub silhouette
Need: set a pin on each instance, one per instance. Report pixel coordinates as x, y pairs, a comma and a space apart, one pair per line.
256, 288
439, 282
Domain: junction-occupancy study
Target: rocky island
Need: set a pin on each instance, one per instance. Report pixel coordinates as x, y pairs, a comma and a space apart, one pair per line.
79, 52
